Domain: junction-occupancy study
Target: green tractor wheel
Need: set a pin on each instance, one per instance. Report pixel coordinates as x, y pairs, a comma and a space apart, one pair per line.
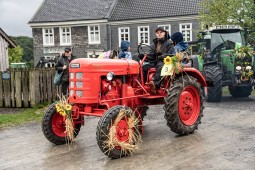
243, 91
213, 73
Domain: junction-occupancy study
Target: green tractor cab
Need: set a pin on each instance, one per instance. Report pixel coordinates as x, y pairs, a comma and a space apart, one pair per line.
225, 59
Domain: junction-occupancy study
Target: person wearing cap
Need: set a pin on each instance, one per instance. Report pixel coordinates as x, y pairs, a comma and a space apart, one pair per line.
161, 45
179, 44
62, 66
125, 50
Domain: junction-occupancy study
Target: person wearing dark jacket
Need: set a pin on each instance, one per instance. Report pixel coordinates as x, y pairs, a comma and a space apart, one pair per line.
125, 50
179, 44
62, 66
161, 46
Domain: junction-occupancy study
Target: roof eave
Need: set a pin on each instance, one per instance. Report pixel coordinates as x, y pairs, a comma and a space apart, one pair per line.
12, 44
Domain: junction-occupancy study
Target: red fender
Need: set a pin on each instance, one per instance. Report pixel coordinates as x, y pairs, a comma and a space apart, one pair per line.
195, 73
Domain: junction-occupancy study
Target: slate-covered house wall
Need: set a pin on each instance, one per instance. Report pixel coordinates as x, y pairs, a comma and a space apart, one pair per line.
109, 15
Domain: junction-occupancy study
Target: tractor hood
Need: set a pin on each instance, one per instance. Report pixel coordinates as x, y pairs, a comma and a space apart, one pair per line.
103, 66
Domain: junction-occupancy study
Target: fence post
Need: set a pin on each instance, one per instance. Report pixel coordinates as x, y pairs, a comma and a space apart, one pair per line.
18, 95
13, 87
7, 93
32, 87
1, 90
25, 87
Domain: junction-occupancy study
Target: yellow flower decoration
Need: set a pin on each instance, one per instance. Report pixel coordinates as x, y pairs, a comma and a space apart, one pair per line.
62, 112
168, 60
250, 73
68, 107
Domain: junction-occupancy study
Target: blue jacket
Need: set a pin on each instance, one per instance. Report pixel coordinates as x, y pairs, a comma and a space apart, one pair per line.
125, 54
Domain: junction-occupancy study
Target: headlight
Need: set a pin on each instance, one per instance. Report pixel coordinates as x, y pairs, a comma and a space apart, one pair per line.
238, 68
248, 67
110, 76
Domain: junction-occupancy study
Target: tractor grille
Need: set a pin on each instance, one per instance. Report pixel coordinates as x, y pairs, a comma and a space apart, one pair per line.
71, 75
76, 84
79, 84
79, 75
71, 84
79, 93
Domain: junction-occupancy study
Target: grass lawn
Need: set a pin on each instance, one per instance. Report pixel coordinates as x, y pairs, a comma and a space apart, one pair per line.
23, 116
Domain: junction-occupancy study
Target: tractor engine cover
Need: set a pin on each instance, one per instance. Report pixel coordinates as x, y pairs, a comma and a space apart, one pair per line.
85, 76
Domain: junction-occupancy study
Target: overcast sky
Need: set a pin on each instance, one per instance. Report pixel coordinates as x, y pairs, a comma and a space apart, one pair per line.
15, 14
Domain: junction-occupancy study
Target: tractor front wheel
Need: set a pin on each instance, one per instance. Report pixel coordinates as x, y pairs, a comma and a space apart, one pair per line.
118, 132
53, 126
243, 91
184, 105
213, 74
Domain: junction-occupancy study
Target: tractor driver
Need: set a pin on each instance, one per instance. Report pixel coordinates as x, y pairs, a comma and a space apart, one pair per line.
161, 45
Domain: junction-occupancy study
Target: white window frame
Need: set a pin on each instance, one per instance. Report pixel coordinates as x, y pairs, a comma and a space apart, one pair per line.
65, 34
142, 32
90, 37
185, 30
164, 26
124, 33
51, 42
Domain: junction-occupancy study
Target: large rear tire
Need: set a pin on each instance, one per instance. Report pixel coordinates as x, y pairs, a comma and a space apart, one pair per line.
53, 126
243, 91
184, 105
213, 74
121, 132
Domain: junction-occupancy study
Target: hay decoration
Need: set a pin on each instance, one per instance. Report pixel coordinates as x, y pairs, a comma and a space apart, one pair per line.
133, 142
244, 52
65, 109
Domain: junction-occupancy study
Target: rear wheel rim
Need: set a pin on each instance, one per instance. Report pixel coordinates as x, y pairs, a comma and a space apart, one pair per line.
189, 105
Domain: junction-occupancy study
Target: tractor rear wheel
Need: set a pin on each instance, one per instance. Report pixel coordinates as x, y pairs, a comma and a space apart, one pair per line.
213, 73
53, 126
244, 91
118, 132
184, 105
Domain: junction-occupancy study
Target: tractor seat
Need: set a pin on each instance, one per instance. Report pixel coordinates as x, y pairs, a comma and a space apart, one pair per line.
153, 69
149, 75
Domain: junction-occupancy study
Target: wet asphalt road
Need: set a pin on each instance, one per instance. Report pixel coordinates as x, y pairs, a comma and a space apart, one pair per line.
224, 140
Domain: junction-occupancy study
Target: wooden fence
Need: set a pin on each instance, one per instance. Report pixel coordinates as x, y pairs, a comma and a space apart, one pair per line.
27, 87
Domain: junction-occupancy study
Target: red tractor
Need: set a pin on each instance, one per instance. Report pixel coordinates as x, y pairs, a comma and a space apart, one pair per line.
107, 88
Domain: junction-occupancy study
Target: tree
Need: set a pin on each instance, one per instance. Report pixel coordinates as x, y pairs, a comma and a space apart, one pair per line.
234, 12
220, 12
15, 54
26, 43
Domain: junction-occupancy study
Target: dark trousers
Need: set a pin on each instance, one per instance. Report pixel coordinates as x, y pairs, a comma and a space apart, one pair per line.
157, 78
64, 88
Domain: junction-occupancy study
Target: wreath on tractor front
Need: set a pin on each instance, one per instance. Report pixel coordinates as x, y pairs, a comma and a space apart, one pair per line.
244, 58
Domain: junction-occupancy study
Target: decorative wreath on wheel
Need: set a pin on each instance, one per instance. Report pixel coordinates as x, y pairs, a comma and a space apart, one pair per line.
133, 141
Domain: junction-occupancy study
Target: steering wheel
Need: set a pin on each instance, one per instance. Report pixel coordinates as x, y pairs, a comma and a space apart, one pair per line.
228, 44
140, 48
142, 52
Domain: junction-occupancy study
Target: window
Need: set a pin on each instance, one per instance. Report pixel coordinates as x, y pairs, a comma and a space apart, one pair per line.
94, 34
167, 28
186, 30
65, 36
143, 35
48, 36
123, 34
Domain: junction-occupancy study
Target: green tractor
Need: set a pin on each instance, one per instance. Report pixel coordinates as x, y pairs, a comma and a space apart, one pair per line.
225, 59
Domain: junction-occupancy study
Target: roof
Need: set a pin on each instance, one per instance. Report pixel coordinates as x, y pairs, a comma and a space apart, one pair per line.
72, 10
141, 9
11, 43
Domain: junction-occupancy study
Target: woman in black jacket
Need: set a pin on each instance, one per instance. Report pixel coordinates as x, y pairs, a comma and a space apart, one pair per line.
62, 66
